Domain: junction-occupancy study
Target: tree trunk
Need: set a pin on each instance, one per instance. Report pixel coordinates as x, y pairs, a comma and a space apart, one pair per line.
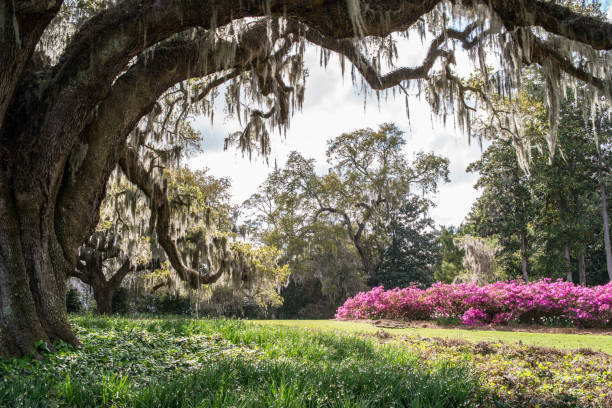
566, 250
32, 275
524, 257
104, 300
568, 263
606, 225
581, 268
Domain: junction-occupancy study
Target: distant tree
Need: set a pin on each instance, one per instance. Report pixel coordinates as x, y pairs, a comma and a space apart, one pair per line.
201, 220
479, 260
364, 222
414, 250
505, 207
548, 208
450, 263
368, 183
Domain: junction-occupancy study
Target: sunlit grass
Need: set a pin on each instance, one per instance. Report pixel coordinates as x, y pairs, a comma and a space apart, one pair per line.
601, 343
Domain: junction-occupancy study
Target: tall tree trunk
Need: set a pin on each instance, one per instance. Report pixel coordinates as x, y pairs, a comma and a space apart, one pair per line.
524, 257
32, 275
581, 268
566, 250
606, 224
568, 263
102, 291
365, 259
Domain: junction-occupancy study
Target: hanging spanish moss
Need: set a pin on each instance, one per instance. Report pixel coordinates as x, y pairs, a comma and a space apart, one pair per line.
258, 65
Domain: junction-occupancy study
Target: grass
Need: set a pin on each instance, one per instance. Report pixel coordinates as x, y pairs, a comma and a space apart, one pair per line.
184, 362
594, 342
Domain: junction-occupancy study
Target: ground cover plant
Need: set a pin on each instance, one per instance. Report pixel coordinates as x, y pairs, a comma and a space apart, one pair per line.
516, 375
544, 301
183, 362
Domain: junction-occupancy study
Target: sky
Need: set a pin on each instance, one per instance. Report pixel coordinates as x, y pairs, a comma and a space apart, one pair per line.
331, 107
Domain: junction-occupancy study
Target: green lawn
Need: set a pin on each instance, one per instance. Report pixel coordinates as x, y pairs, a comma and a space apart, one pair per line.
563, 341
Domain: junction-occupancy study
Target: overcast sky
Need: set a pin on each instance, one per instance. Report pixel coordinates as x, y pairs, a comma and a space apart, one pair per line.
332, 107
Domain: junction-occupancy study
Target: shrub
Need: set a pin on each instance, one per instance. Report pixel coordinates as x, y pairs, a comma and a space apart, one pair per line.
173, 304
73, 301
121, 301
544, 302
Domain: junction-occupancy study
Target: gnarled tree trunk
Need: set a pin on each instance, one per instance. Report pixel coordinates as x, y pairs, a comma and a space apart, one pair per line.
32, 272
103, 289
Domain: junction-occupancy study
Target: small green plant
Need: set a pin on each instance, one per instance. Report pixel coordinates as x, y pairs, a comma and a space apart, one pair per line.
176, 361
42, 346
448, 321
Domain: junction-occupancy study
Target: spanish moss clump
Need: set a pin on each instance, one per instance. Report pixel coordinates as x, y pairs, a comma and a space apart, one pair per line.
479, 260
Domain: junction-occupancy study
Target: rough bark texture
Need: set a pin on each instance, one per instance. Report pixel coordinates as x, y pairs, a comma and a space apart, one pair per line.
63, 128
524, 257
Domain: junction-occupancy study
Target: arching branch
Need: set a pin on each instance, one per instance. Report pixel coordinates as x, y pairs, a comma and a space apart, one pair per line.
349, 49
133, 96
138, 175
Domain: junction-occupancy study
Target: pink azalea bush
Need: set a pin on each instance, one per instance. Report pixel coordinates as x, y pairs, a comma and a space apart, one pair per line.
544, 301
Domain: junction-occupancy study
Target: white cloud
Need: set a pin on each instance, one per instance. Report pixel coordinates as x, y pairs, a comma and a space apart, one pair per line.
332, 107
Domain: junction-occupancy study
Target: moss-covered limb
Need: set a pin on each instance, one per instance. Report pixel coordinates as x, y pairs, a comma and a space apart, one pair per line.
351, 50
133, 96
555, 19
542, 52
138, 175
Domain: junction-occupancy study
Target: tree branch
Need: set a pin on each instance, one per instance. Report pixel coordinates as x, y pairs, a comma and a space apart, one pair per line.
159, 204
542, 51
134, 95
554, 18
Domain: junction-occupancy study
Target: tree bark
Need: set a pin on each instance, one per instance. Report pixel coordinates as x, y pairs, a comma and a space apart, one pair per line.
581, 268
32, 277
568, 264
103, 295
566, 249
606, 223
524, 257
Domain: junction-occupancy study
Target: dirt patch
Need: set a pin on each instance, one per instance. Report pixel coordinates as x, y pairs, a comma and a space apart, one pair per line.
532, 328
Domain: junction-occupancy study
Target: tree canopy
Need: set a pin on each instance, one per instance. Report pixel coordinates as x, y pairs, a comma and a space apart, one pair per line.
365, 221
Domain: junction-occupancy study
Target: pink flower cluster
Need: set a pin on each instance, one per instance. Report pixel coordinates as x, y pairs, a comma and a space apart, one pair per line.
544, 301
